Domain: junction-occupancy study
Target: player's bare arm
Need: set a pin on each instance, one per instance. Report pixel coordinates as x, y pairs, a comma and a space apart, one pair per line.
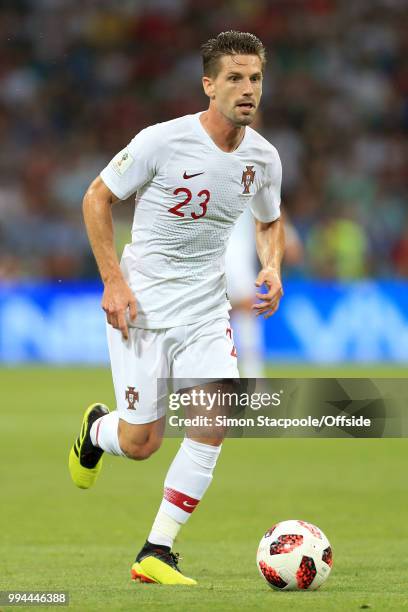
117, 296
270, 245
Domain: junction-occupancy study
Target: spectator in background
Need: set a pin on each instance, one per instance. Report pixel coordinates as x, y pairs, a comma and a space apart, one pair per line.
400, 254
337, 248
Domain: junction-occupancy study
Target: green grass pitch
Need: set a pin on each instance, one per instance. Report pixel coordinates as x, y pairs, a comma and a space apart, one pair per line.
56, 537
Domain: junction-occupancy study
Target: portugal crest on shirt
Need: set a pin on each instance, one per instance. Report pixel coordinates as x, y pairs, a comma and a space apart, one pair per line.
248, 177
132, 396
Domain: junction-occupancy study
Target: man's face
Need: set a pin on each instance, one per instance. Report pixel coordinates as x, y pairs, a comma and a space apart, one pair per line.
236, 90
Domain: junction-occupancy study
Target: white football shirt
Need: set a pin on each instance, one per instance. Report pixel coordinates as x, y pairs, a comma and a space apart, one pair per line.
189, 193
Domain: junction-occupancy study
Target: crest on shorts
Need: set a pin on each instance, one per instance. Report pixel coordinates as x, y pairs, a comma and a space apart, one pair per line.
248, 177
132, 396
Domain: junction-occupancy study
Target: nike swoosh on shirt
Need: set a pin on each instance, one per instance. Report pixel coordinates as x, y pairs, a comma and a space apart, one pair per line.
187, 176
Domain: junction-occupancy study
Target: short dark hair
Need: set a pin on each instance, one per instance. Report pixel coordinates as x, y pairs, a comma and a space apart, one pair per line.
230, 43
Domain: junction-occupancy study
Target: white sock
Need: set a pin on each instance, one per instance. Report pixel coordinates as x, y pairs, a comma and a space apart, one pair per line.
187, 480
104, 434
249, 342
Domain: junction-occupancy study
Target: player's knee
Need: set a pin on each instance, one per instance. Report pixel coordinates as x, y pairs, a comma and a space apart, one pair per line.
139, 441
140, 451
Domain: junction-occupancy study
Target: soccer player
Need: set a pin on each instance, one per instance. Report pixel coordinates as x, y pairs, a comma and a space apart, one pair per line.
241, 272
166, 304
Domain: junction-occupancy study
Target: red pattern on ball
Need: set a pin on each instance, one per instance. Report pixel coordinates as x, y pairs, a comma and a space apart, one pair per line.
270, 530
313, 530
272, 575
285, 544
306, 573
327, 556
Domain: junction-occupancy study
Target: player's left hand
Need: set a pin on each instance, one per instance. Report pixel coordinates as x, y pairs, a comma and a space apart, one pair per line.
270, 300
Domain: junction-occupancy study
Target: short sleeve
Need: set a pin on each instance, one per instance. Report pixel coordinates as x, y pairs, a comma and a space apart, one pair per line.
134, 166
265, 205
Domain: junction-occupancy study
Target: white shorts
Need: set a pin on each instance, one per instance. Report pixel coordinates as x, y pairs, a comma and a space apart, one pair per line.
200, 350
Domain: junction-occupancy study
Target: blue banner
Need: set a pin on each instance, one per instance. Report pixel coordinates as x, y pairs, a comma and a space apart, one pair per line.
58, 323
317, 322
365, 321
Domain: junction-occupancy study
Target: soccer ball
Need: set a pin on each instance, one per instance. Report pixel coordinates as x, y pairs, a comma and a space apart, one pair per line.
294, 556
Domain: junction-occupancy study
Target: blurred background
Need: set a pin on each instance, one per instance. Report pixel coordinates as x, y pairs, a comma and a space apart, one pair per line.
79, 79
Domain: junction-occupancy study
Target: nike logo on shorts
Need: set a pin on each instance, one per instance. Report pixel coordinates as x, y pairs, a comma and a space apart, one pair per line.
188, 176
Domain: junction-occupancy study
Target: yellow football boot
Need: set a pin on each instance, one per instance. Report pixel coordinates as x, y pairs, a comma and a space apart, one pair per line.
85, 459
159, 566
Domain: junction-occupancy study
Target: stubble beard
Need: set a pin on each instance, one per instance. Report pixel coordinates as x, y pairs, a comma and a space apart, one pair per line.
243, 121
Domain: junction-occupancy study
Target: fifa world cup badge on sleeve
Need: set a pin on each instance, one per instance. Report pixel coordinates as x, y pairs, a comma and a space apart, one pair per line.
122, 162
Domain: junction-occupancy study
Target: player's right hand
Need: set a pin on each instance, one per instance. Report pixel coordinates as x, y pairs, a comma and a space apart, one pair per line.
117, 299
